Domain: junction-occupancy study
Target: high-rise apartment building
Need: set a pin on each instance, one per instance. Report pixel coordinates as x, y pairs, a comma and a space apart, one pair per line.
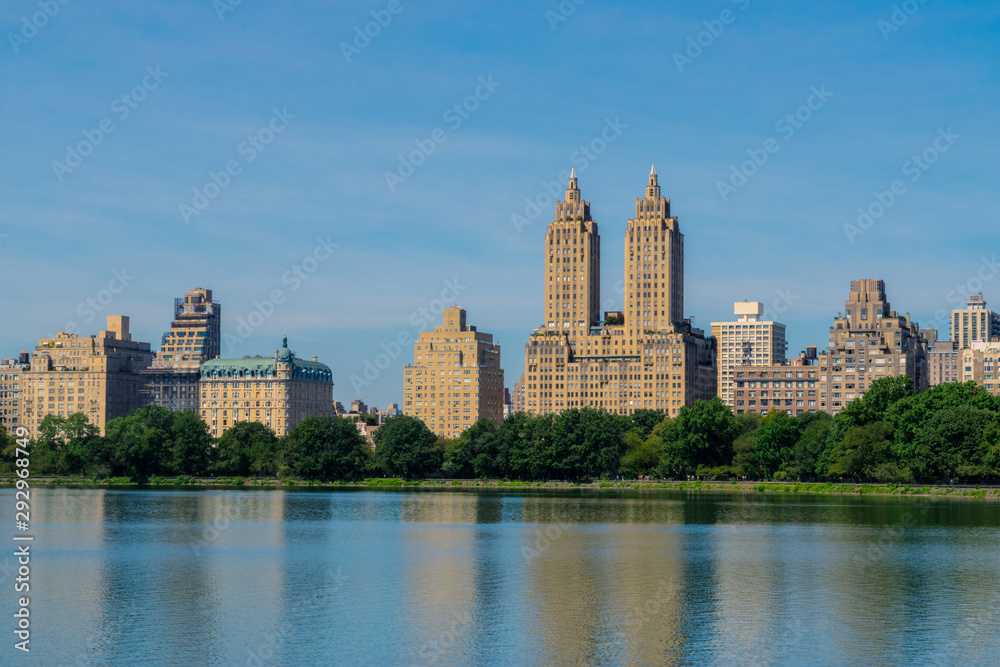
573, 265
749, 341
942, 363
10, 391
645, 357
868, 342
194, 338
98, 376
654, 265
278, 392
974, 324
455, 378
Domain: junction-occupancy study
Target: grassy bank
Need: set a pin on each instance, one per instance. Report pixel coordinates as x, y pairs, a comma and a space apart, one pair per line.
976, 492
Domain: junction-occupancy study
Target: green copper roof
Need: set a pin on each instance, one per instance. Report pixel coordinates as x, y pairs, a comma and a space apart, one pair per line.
263, 367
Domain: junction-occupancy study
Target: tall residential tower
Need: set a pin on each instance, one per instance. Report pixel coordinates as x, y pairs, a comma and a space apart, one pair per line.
645, 357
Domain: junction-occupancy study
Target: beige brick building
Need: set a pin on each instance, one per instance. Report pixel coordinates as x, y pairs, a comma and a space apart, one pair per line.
98, 376
974, 324
517, 397
194, 338
646, 357
942, 363
869, 341
455, 378
793, 388
10, 391
749, 341
980, 363
278, 392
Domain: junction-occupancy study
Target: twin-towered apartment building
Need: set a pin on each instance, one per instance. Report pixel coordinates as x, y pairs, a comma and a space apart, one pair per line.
647, 356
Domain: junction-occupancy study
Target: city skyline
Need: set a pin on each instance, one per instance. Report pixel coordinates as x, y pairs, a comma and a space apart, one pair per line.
324, 126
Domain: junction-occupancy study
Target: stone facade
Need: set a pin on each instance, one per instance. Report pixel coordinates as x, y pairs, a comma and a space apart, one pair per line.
749, 341
794, 388
974, 324
980, 363
278, 392
869, 341
194, 338
646, 357
10, 392
99, 376
455, 378
942, 363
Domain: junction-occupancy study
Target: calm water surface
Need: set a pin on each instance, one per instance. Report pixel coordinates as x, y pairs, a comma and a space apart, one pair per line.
447, 578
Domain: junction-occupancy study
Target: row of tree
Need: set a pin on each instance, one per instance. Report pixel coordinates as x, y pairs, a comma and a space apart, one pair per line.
155, 441
891, 434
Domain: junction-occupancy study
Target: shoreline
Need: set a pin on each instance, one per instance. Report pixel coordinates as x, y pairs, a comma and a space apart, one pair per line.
976, 492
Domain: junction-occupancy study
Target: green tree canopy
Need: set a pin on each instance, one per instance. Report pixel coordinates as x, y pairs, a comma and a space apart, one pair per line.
327, 448
404, 447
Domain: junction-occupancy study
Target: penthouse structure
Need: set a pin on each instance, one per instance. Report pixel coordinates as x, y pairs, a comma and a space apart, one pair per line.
645, 357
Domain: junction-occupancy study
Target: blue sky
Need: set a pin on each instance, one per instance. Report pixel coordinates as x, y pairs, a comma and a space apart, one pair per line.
329, 126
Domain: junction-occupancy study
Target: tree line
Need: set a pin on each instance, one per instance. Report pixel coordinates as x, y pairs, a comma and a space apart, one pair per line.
891, 434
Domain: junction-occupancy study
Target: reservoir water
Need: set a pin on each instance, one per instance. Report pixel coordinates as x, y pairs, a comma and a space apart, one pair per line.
260, 577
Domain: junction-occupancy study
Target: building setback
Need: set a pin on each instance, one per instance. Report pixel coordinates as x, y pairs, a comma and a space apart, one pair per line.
99, 376
870, 341
645, 357
194, 338
455, 378
278, 392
